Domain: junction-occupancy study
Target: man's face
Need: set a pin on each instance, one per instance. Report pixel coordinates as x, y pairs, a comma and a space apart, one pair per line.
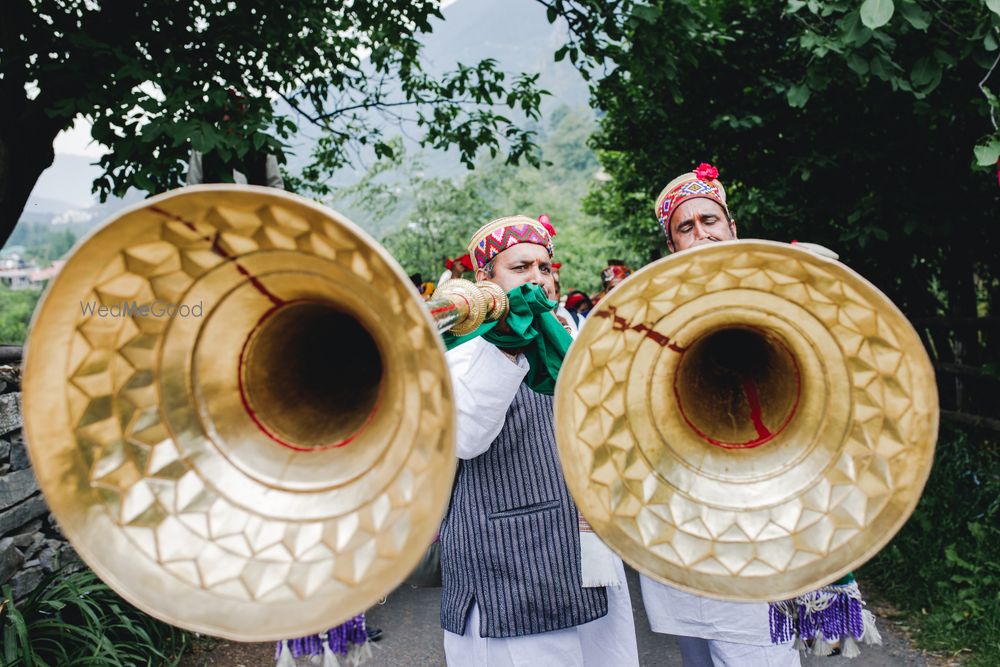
697, 222
520, 264
612, 279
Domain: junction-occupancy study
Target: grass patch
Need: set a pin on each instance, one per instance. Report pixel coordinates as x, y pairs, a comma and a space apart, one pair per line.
73, 618
943, 568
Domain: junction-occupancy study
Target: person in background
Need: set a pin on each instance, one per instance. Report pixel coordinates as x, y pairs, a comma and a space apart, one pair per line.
579, 305
254, 168
455, 268
611, 276
569, 320
424, 288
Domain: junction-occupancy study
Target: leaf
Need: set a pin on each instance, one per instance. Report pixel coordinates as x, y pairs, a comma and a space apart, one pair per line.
876, 13
916, 15
994, 6
798, 95
987, 154
854, 31
646, 13
945, 58
925, 71
879, 66
857, 64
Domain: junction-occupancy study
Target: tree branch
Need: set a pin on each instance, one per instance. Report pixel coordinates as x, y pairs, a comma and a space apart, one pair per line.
386, 105
986, 92
972, 420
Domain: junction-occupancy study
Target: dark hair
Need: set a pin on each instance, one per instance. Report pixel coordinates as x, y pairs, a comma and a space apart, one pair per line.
585, 299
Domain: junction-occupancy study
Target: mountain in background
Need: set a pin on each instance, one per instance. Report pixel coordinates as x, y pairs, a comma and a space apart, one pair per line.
517, 34
65, 186
514, 32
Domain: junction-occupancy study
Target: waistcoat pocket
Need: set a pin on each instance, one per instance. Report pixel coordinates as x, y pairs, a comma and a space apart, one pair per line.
525, 509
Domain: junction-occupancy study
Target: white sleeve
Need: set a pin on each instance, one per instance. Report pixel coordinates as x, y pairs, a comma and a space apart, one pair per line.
273, 173
485, 381
194, 175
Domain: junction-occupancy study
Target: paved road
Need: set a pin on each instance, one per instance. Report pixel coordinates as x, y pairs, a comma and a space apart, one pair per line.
409, 619
413, 636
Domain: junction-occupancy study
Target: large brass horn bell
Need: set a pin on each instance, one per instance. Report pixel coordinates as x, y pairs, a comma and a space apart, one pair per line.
746, 420
267, 448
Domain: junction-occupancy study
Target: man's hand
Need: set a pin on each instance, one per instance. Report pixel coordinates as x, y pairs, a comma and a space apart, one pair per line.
564, 323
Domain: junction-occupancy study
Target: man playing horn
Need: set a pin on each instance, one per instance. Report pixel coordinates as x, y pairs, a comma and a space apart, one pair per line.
524, 580
692, 211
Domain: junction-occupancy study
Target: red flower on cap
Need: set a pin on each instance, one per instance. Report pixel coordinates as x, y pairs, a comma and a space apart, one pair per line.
544, 220
706, 172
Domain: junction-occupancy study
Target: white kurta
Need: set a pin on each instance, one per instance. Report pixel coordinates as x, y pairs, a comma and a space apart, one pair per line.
731, 628
485, 381
570, 322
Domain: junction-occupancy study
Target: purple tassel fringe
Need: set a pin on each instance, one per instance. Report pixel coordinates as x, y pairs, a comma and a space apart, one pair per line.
843, 617
340, 638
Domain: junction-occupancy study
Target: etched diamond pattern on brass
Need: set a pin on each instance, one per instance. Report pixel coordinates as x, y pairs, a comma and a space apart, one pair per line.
149, 461
777, 520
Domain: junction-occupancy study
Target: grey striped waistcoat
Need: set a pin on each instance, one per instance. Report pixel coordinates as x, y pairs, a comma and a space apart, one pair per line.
510, 538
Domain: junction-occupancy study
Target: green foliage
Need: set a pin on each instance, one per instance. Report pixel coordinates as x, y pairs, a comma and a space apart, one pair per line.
823, 130
876, 13
988, 154
73, 618
827, 130
157, 79
944, 565
429, 216
16, 307
426, 219
43, 242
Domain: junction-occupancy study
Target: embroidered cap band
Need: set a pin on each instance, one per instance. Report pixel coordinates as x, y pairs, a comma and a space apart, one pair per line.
497, 235
702, 182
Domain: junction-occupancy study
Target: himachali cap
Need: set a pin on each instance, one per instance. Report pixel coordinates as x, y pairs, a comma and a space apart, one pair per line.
497, 235
615, 269
465, 262
701, 182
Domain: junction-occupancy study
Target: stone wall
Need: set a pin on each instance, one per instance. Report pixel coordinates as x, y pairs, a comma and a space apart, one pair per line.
30, 542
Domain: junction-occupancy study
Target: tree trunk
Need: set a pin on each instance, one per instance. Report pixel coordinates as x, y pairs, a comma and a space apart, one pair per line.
25, 152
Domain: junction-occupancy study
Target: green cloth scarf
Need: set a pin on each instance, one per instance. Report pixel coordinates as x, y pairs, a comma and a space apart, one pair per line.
532, 327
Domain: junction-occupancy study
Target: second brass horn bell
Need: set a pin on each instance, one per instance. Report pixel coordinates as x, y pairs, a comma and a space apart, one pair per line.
746, 420
239, 412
